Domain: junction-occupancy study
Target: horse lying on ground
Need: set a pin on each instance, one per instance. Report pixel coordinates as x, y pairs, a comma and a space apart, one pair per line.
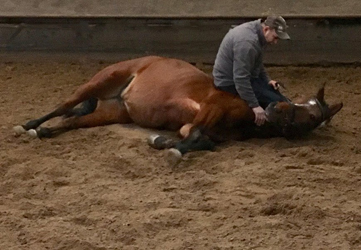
164, 93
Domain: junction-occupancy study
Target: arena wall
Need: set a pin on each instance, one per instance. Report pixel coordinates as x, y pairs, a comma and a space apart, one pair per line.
322, 31
178, 8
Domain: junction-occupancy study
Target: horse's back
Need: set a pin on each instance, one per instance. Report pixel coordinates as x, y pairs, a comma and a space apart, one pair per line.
169, 78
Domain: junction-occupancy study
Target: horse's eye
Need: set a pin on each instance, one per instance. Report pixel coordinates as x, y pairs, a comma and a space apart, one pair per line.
313, 117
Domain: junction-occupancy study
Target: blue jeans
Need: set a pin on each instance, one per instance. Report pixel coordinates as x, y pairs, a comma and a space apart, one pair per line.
264, 92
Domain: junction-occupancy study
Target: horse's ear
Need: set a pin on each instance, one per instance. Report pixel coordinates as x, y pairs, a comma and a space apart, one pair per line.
334, 108
321, 93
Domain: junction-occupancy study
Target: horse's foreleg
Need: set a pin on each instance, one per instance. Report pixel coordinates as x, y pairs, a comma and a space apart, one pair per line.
204, 121
160, 142
195, 141
178, 112
194, 134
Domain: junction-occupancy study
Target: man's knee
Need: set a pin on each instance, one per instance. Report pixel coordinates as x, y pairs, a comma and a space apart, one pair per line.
267, 97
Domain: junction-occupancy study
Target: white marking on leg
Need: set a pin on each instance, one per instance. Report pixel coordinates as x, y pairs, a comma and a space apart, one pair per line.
152, 138
32, 133
173, 157
19, 129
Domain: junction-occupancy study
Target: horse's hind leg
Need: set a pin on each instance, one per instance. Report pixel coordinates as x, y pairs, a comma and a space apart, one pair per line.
80, 95
106, 84
87, 107
108, 112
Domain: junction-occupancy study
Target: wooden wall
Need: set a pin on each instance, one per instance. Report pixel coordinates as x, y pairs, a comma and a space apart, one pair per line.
314, 40
179, 8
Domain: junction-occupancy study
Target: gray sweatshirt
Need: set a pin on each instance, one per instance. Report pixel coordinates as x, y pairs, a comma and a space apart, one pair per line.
240, 58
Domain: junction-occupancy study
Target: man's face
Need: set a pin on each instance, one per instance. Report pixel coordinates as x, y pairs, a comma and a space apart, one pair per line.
270, 35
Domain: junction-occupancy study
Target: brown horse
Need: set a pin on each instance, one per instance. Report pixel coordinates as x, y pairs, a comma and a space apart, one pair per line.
171, 94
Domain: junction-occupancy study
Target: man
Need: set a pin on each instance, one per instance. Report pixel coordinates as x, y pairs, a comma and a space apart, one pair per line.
239, 69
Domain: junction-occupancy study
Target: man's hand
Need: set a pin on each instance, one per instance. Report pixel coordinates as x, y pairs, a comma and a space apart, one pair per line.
260, 115
274, 84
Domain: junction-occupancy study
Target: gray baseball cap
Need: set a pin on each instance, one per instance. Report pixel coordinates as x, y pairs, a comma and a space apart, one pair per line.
279, 24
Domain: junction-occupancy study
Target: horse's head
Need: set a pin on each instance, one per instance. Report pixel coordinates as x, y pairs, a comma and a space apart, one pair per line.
294, 119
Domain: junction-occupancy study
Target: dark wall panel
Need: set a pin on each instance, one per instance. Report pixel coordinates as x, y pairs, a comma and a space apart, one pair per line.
313, 40
178, 8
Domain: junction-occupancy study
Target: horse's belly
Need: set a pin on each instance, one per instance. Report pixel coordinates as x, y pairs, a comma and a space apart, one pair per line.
155, 99
168, 114
145, 115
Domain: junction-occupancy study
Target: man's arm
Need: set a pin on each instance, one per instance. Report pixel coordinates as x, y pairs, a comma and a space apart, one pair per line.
244, 56
244, 59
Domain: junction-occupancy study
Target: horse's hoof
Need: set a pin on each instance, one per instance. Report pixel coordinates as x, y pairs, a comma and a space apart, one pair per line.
32, 133
173, 157
19, 130
151, 140
160, 142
